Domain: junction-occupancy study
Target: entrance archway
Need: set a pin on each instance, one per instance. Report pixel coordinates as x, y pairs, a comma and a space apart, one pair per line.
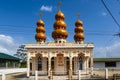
80, 63
53, 64
67, 65
39, 63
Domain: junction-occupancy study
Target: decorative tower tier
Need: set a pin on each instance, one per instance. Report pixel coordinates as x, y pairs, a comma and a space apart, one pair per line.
59, 34
79, 36
40, 35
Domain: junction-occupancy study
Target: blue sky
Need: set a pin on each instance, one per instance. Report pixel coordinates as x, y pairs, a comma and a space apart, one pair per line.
18, 21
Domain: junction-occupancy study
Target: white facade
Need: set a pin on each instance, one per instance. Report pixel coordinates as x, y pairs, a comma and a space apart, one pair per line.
60, 57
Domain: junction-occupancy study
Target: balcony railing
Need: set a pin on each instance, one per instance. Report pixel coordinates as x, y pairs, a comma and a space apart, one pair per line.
59, 45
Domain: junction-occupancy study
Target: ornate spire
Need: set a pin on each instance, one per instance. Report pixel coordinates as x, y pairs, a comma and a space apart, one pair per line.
59, 34
79, 36
59, 4
40, 15
40, 35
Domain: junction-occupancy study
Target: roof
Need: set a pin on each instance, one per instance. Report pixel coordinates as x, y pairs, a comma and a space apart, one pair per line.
106, 59
6, 56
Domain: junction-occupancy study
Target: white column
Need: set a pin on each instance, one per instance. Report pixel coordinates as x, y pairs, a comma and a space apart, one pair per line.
33, 65
79, 75
28, 65
44, 65
70, 73
3, 76
106, 73
87, 62
49, 64
71, 63
91, 59
36, 75
91, 63
84, 64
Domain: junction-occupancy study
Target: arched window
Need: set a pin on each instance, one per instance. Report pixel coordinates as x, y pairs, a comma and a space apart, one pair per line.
52, 63
39, 63
80, 62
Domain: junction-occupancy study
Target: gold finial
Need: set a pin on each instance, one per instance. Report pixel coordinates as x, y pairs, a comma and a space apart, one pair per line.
59, 3
40, 15
78, 15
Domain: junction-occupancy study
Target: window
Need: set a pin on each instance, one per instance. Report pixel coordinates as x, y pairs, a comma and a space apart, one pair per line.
39, 63
110, 64
80, 62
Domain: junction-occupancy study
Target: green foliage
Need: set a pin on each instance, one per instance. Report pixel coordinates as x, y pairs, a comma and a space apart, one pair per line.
23, 65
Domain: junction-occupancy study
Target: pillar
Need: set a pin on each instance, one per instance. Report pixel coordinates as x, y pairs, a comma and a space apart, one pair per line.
87, 65
91, 63
49, 64
70, 71
84, 64
33, 65
28, 65
71, 63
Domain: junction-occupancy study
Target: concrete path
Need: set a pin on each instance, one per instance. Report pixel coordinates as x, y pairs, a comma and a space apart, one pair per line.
12, 74
12, 70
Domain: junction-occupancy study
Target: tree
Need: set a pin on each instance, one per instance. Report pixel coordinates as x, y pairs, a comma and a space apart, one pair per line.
21, 53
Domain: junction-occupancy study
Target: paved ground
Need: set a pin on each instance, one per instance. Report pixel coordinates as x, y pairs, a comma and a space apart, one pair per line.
16, 76
13, 73
22, 76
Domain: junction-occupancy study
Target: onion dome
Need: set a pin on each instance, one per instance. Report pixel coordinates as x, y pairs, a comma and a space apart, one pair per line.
59, 24
59, 32
40, 23
40, 32
59, 15
40, 36
79, 36
78, 23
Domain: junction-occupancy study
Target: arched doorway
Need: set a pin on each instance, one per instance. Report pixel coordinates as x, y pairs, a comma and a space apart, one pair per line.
52, 64
39, 63
67, 65
80, 63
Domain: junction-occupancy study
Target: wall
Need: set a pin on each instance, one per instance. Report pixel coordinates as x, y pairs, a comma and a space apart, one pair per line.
102, 65
118, 64
101, 72
99, 65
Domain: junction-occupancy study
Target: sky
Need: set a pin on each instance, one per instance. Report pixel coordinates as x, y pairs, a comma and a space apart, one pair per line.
18, 23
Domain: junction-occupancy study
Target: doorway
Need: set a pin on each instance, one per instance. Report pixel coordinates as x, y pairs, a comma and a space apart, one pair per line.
39, 63
52, 64
80, 63
67, 65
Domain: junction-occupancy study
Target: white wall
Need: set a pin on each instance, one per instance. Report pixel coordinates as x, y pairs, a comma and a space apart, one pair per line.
99, 65
102, 65
118, 64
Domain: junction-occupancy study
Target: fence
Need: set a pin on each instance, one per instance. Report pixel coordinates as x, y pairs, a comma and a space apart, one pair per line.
106, 73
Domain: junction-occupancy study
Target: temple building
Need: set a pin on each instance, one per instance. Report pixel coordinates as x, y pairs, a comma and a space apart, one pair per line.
60, 56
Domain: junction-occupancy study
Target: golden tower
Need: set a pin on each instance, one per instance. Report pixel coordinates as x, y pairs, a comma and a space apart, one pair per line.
40, 31
59, 34
79, 36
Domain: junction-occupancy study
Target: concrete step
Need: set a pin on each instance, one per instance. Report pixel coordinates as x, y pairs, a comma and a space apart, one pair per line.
60, 77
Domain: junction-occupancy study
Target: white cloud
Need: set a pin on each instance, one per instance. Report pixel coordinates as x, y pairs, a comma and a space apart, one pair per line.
46, 8
109, 51
7, 44
104, 14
